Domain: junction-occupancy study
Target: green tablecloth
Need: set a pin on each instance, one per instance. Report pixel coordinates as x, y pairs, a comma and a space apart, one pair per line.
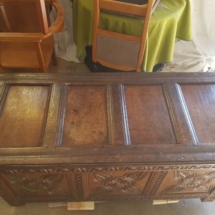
171, 20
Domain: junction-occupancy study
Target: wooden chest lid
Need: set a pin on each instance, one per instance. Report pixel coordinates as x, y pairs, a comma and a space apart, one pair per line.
107, 118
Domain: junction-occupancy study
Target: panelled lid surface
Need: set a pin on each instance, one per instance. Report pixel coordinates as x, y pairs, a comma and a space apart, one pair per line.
103, 118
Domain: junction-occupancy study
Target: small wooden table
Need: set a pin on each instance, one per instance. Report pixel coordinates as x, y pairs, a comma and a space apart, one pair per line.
102, 137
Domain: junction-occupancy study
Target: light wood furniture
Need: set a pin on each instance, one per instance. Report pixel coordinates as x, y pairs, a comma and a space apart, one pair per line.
117, 50
80, 206
101, 137
28, 42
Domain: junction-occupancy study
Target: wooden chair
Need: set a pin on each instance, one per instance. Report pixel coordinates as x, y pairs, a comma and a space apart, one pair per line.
34, 48
116, 50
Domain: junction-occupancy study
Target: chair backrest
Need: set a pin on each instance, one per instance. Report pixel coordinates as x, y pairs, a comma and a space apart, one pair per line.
41, 7
29, 16
117, 50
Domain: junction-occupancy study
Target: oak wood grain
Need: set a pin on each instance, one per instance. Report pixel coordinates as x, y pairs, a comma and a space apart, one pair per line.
23, 116
148, 116
86, 113
200, 102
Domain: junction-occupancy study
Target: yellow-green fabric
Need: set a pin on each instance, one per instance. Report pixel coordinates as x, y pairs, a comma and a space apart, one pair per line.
171, 20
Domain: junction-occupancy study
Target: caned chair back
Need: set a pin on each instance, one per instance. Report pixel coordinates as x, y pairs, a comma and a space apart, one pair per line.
117, 50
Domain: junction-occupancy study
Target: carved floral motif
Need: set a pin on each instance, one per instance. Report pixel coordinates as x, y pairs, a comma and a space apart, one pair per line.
45, 184
191, 180
124, 184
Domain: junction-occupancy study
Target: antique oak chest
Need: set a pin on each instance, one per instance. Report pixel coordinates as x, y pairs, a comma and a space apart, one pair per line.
102, 137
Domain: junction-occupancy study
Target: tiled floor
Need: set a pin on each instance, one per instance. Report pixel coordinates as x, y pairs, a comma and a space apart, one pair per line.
184, 207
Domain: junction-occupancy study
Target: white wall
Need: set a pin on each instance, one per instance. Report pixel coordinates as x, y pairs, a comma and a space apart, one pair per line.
198, 55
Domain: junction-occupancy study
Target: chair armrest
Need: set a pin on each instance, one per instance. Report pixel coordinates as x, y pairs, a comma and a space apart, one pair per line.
21, 37
58, 25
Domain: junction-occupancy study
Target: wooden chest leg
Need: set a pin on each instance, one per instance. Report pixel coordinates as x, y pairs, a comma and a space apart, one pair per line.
7, 194
210, 197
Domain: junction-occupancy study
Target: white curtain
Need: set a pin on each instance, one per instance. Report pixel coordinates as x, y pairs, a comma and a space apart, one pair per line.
64, 45
198, 55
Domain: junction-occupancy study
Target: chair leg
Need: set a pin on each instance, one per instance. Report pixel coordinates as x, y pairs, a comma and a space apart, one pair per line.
2, 9
1, 69
48, 11
40, 57
54, 58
